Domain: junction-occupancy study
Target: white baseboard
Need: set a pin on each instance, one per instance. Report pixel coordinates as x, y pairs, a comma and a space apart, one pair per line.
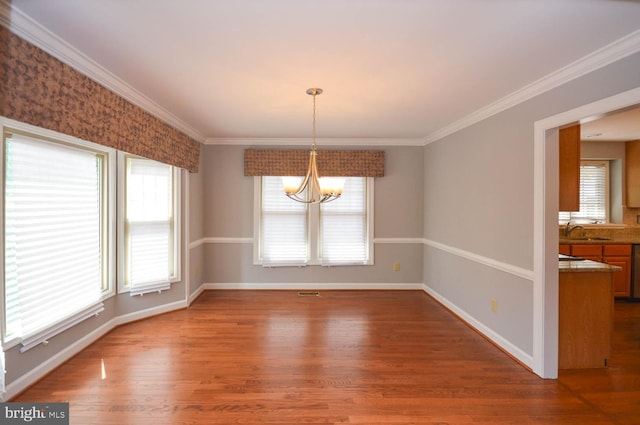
196, 294
524, 358
37, 373
316, 286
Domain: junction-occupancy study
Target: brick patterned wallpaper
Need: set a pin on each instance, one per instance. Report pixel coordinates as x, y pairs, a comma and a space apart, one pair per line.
38, 89
294, 162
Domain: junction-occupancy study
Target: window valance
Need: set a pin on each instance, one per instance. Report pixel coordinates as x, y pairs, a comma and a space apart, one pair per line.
40, 90
294, 162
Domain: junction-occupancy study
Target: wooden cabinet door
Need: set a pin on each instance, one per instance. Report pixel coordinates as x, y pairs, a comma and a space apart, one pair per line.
621, 279
588, 251
570, 168
585, 320
619, 255
565, 249
632, 175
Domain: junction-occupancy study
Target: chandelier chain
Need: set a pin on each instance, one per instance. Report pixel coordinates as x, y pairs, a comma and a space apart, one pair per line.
313, 140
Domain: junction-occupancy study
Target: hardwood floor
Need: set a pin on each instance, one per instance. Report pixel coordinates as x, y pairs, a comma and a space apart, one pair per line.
354, 357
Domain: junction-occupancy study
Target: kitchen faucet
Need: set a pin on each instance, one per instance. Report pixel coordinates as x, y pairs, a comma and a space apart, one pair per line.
569, 228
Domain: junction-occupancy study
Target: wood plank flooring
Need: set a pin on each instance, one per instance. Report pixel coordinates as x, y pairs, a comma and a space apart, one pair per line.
345, 357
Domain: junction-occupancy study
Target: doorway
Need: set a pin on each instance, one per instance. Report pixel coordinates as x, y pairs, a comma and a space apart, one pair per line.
545, 261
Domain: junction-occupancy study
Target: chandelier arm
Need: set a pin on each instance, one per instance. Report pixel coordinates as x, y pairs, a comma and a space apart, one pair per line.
307, 178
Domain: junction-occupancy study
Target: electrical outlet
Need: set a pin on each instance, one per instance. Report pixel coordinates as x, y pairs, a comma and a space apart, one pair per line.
494, 305
396, 266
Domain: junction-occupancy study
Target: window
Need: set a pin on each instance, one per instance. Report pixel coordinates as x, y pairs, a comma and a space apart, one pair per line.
60, 256
149, 225
594, 194
290, 233
344, 231
56, 235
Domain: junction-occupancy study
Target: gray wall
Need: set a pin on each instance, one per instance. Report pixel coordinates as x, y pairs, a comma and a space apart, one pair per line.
228, 212
196, 229
478, 206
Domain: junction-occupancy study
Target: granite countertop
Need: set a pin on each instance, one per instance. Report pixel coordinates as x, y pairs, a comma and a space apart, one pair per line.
585, 266
600, 241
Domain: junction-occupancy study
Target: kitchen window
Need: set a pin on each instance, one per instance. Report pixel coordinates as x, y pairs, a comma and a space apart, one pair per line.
290, 233
594, 195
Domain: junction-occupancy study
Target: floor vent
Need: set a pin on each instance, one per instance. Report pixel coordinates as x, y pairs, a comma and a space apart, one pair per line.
309, 294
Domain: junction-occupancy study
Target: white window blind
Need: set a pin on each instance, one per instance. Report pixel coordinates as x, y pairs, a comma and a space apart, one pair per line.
54, 235
594, 194
283, 226
343, 226
1, 370
148, 225
333, 233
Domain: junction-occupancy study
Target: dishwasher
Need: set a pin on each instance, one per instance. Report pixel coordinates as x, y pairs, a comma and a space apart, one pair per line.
635, 274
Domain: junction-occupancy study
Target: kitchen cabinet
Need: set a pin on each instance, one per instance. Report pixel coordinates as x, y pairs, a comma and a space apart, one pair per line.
565, 249
585, 322
589, 251
613, 254
632, 173
569, 178
619, 255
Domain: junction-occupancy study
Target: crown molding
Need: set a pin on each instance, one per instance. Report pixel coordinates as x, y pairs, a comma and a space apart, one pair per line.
287, 141
28, 29
604, 56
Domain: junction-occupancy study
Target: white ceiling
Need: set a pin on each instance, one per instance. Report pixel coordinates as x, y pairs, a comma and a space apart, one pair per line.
618, 126
390, 69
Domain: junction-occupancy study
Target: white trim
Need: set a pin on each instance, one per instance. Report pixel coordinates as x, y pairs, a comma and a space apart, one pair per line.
398, 240
185, 255
196, 243
313, 286
25, 27
37, 373
480, 327
51, 331
604, 56
545, 231
191, 298
289, 141
203, 241
51, 134
490, 262
149, 288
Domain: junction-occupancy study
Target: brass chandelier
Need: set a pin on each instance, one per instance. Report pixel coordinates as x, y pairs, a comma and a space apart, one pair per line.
313, 189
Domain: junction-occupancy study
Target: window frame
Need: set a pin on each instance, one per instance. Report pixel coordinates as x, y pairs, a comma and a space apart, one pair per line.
313, 230
108, 216
176, 234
